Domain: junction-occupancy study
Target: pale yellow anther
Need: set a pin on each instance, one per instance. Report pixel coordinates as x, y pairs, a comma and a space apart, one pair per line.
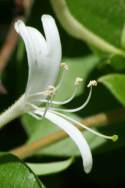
45, 93
78, 81
64, 66
92, 83
50, 91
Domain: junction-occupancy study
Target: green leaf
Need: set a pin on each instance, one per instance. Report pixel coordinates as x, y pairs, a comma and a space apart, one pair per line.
117, 63
104, 18
99, 23
50, 168
116, 84
36, 128
14, 173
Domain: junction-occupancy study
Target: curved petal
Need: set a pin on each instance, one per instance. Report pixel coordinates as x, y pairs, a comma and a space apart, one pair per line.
43, 66
75, 134
52, 37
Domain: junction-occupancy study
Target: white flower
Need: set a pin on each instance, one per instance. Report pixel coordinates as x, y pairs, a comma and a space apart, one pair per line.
44, 57
44, 54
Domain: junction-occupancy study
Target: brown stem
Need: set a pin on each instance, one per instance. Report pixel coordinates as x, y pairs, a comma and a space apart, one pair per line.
8, 47
99, 119
11, 38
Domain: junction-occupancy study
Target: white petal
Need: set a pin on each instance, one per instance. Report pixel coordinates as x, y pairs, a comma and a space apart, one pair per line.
43, 67
52, 37
75, 134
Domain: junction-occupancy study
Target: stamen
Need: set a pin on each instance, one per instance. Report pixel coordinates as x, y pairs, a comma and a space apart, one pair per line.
34, 116
51, 90
90, 85
67, 100
65, 68
76, 109
34, 107
76, 84
46, 108
51, 93
114, 138
31, 106
37, 95
78, 81
46, 93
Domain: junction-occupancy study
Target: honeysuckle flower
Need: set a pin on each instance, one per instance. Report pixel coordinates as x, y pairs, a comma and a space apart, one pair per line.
44, 59
44, 55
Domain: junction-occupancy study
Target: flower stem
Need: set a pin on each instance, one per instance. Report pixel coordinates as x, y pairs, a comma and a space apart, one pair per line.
12, 112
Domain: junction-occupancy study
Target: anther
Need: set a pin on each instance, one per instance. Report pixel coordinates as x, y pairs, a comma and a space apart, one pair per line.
78, 81
92, 83
49, 92
64, 66
65, 69
78, 108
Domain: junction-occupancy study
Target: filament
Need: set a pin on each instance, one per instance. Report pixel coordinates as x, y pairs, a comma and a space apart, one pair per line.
113, 137
77, 82
65, 101
76, 109
65, 68
35, 116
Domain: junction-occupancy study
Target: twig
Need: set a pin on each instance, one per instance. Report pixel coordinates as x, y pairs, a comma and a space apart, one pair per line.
11, 38
99, 119
8, 47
